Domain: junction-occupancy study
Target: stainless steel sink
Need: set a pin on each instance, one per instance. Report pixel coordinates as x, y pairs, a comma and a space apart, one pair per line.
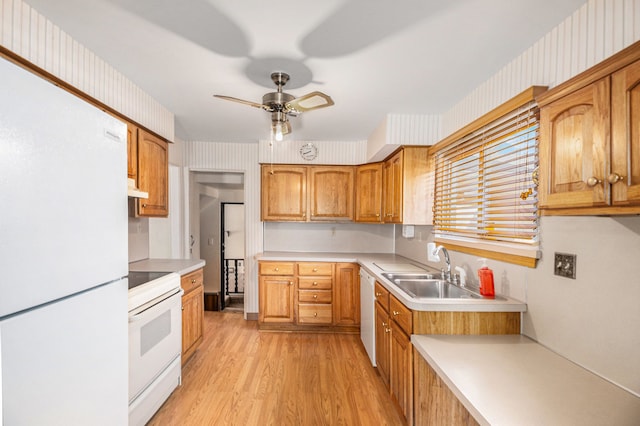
425, 286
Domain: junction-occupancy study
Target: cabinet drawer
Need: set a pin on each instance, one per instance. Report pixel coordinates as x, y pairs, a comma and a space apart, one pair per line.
276, 268
315, 314
311, 296
192, 280
315, 268
315, 283
401, 315
382, 296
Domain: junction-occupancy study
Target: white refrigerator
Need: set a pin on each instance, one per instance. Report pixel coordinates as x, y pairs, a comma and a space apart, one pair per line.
63, 257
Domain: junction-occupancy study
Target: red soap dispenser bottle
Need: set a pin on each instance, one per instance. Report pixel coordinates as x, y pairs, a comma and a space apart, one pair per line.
485, 277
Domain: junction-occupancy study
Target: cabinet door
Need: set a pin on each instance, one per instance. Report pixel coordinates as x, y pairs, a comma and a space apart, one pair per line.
383, 344
284, 193
574, 149
192, 321
401, 372
624, 175
153, 171
331, 194
276, 299
392, 189
369, 193
132, 152
346, 289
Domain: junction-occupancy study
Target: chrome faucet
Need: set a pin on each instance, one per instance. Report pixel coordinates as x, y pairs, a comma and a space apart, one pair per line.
446, 275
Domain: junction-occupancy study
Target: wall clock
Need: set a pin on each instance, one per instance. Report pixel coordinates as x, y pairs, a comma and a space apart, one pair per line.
308, 151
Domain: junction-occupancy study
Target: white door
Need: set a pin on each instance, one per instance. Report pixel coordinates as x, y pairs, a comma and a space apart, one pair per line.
233, 231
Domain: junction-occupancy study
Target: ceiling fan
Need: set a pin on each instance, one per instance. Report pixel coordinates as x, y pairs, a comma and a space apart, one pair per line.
281, 104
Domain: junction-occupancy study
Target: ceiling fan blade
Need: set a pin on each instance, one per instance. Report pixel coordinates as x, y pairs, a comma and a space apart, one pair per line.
308, 102
242, 101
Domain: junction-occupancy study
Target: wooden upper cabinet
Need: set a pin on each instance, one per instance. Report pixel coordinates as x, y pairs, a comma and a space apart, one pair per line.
624, 176
590, 140
153, 171
407, 187
132, 152
284, 193
369, 193
392, 188
331, 193
574, 144
289, 192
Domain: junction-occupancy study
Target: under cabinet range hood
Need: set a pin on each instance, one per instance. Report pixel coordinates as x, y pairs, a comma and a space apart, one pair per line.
133, 191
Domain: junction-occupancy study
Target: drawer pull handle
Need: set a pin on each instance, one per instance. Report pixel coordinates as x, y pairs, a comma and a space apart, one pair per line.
593, 181
614, 178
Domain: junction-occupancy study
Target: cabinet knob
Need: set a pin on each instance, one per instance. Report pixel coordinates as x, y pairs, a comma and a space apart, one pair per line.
193, 281
315, 269
396, 313
384, 324
386, 330
377, 214
276, 269
315, 283
290, 282
614, 178
315, 296
378, 294
593, 181
144, 205
315, 314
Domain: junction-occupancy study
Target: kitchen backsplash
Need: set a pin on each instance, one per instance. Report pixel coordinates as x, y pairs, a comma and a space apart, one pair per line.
328, 237
138, 238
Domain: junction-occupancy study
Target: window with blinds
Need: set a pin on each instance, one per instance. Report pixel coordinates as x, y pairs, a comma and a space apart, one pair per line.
484, 186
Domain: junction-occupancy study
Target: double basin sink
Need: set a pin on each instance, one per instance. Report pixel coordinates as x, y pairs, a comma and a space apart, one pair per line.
427, 286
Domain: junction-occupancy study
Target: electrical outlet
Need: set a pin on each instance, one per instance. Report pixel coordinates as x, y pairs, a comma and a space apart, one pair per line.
564, 265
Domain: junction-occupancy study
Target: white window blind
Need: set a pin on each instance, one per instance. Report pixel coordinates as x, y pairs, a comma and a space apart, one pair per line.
484, 189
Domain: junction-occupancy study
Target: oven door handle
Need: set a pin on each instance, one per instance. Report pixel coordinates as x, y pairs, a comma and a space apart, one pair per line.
138, 316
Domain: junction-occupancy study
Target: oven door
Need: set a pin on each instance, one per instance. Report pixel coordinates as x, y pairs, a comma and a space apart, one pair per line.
155, 340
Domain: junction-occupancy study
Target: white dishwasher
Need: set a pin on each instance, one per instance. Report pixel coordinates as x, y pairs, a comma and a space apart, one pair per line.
367, 314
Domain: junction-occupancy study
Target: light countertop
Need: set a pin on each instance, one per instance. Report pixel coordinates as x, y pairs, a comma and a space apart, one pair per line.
512, 380
180, 266
371, 263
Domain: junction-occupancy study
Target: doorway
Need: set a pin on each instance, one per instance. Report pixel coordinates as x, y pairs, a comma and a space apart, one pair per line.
208, 191
232, 256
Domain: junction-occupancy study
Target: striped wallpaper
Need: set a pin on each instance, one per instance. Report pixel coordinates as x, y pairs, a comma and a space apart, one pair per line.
594, 32
30, 35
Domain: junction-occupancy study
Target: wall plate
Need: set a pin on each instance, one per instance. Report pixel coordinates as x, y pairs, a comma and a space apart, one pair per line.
564, 265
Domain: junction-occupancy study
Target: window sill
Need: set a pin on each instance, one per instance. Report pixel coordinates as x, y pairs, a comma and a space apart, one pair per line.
505, 252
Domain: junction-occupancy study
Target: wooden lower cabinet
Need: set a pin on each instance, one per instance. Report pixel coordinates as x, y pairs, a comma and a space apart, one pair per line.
434, 402
276, 299
383, 343
192, 313
316, 296
395, 356
394, 350
401, 372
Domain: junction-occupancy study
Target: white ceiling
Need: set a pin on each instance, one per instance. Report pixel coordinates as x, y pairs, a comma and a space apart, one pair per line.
372, 57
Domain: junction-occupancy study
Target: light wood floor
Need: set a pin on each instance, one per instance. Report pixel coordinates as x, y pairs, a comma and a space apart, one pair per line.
242, 376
